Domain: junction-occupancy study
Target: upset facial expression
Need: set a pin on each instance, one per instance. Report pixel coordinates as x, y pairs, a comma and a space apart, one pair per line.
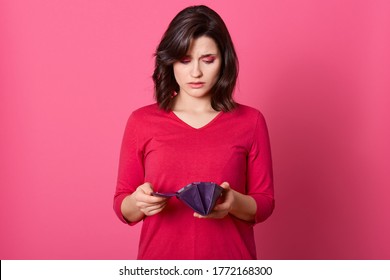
198, 71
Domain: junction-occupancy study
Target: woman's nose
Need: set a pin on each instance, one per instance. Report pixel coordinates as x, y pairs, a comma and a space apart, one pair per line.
196, 71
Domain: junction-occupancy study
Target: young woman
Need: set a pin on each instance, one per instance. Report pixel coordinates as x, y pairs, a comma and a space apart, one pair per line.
195, 132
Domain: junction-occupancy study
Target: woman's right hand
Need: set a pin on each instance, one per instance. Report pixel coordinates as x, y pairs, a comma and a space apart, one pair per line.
142, 203
146, 202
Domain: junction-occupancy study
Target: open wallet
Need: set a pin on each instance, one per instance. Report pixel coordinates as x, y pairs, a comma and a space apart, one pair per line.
199, 196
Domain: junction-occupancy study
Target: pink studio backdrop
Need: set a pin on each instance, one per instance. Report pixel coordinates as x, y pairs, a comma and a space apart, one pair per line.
72, 71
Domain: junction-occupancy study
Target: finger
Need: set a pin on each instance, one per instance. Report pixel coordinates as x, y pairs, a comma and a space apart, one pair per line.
154, 199
221, 207
212, 215
146, 198
225, 185
151, 210
147, 188
155, 210
145, 204
197, 215
226, 202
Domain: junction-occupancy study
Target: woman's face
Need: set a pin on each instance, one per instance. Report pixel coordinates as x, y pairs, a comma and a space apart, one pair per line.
198, 71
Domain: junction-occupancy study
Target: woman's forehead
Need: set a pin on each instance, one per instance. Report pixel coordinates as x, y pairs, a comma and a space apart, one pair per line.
203, 46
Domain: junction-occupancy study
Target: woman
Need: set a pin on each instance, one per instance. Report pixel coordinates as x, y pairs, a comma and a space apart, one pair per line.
196, 132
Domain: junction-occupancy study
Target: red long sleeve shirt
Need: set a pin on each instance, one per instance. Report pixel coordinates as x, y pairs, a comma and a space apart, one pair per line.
160, 148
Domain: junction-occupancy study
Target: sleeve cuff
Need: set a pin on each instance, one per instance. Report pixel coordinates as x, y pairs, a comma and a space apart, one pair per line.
265, 207
117, 208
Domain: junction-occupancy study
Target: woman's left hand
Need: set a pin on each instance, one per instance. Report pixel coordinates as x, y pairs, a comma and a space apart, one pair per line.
222, 209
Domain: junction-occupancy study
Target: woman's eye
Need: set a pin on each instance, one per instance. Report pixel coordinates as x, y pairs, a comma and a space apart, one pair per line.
185, 60
209, 60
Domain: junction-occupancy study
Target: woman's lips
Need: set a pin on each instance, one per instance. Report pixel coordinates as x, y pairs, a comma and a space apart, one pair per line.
196, 84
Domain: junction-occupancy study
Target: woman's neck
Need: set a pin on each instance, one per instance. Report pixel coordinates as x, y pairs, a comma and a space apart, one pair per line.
184, 102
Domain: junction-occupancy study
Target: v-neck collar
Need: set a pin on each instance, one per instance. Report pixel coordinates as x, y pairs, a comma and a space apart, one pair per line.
212, 121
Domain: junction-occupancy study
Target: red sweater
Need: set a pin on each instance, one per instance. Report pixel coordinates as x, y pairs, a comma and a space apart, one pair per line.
161, 149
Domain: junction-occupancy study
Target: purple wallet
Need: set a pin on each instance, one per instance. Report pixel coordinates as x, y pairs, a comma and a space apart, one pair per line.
200, 196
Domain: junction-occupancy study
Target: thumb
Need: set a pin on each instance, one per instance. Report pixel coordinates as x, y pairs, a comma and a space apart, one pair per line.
147, 188
225, 185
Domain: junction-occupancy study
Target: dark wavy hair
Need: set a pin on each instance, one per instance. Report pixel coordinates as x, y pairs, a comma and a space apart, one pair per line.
192, 23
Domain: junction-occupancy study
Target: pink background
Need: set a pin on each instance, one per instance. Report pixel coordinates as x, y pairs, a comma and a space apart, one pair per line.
72, 71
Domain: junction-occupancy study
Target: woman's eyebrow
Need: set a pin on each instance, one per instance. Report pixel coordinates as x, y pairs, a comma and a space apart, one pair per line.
207, 55
204, 55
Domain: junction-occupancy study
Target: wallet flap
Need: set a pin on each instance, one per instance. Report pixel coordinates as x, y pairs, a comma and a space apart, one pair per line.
167, 195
